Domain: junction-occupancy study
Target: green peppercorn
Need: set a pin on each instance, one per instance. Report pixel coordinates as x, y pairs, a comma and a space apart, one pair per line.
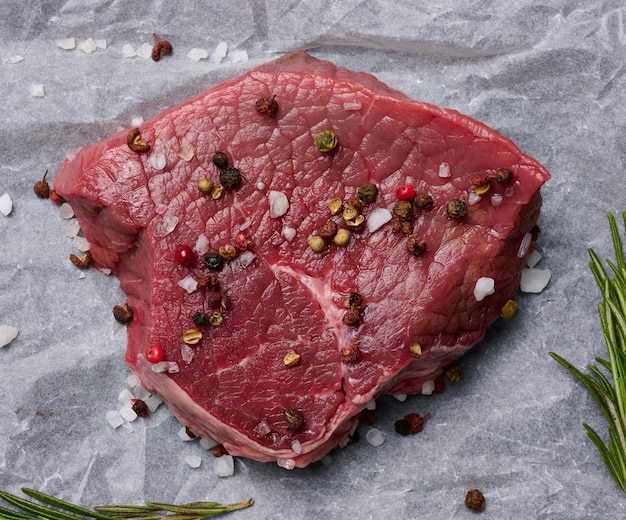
230, 177
423, 201
367, 192
326, 141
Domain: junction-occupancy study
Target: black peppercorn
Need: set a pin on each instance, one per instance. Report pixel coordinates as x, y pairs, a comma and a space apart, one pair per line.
200, 318
456, 208
367, 192
402, 426
230, 177
213, 260
474, 500
294, 419
220, 159
415, 247
423, 201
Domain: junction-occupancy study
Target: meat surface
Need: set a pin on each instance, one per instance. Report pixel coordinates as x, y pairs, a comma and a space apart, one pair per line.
422, 304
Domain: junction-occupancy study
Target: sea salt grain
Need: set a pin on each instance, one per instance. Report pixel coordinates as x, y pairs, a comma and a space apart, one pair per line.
202, 245
483, 288
208, 443
375, 437
81, 243
127, 413
153, 402
279, 204
157, 160
197, 54
224, 466
428, 388
128, 51
238, 55
72, 229
534, 280
16, 58
88, 46
125, 397
533, 258
286, 463
145, 51
377, 219
183, 435
7, 334
67, 44
66, 211
193, 461
114, 418
289, 233
444, 170
37, 91
524, 245
400, 397
220, 52
189, 283
6, 204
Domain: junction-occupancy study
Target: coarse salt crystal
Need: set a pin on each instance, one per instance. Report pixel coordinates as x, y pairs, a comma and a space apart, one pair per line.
220, 52
400, 397
286, 463
533, 258
238, 55
208, 443
183, 435
140, 392
7, 334
534, 280
186, 353
114, 418
127, 427
193, 461
144, 51
246, 258
72, 229
81, 243
289, 233
496, 200
172, 367
260, 186
444, 170
153, 402
263, 428
166, 226
67, 44
377, 219
189, 283
37, 91
202, 245
296, 446
473, 198
160, 367
375, 437
428, 387
133, 381
483, 288
197, 54
185, 152
88, 46
224, 466
6, 204
125, 396
128, 51
137, 121
127, 413
279, 204
524, 245
16, 58
100, 43
370, 405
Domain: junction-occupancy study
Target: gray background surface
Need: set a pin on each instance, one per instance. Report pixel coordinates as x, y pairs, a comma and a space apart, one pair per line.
549, 75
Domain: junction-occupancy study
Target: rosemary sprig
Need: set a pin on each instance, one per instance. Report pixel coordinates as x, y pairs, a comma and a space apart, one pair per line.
610, 394
53, 508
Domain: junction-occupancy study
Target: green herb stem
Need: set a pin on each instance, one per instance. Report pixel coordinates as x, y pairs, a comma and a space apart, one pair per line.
53, 508
606, 380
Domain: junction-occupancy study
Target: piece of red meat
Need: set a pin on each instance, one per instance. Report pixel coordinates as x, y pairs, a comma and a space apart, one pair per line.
234, 386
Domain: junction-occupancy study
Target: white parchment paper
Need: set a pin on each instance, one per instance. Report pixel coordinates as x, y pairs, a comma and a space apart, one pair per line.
549, 75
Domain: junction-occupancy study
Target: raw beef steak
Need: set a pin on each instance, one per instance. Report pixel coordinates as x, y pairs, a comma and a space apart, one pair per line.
300, 337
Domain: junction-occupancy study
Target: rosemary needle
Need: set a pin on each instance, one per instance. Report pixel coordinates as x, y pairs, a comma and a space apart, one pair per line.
606, 380
53, 508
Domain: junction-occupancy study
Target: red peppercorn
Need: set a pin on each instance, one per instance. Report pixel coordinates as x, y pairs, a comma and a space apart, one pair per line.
440, 385
405, 192
140, 407
183, 254
155, 354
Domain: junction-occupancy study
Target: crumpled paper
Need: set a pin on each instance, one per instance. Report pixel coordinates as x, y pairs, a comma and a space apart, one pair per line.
550, 77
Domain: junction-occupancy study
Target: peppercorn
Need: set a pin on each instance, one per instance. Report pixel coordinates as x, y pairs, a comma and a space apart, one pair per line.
220, 159
219, 451
140, 407
415, 349
474, 500
479, 179
267, 105
415, 247
189, 433
368, 418
208, 281
509, 310
192, 336
455, 208
317, 244
402, 426
228, 252
350, 354
205, 185
328, 231
352, 209
403, 226
416, 422
326, 141
334, 206
216, 319
42, 188
294, 419
367, 193
201, 319
403, 210
355, 300
135, 143
213, 260
342, 238
291, 358
423, 201
55, 197
230, 177
405, 192
352, 317
160, 47
82, 262
216, 192
122, 313
503, 175
454, 373
242, 242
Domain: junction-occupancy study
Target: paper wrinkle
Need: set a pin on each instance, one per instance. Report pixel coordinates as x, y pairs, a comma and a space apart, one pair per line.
550, 77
